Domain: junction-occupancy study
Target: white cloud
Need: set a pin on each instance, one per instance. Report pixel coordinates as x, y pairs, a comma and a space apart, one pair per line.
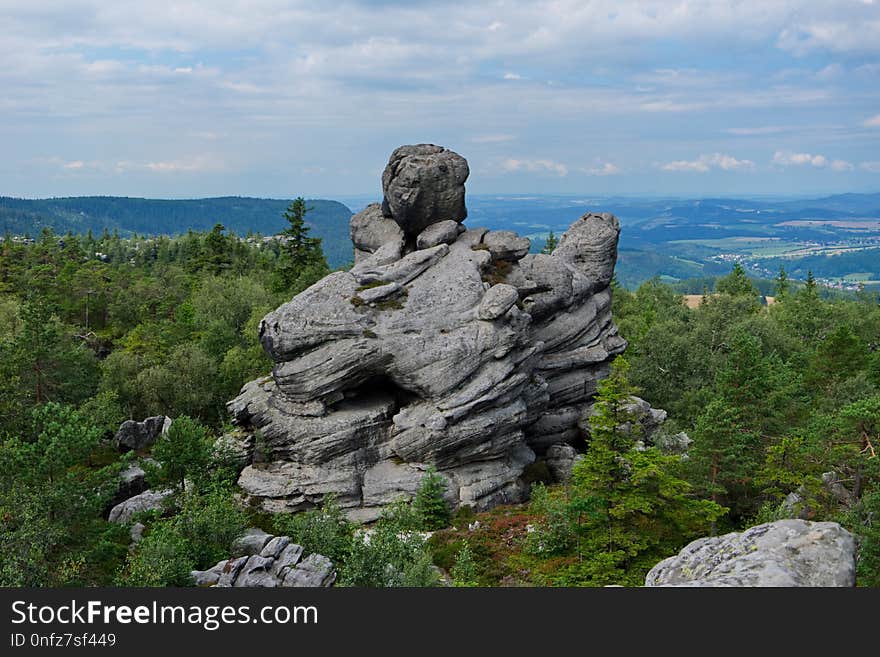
799, 159
871, 167
127, 81
786, 159
685, 165
705, 163
829, 34
873, 122
205, 134
69, 166
534, 166
602, 169
200, 163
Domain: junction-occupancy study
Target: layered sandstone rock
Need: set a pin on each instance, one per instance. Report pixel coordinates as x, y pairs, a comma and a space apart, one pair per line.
441, 346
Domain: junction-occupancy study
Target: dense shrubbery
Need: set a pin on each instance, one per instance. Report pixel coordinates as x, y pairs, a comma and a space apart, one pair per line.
53, 489
392, 552
773, 397
158, 325
96, 330
198, 535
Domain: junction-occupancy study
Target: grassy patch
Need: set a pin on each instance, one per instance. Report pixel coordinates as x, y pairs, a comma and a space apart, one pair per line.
389, 304
370, 286
497, 272
392, 303
496, 545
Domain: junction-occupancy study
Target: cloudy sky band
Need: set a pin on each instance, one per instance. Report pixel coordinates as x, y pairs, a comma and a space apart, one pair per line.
276, 98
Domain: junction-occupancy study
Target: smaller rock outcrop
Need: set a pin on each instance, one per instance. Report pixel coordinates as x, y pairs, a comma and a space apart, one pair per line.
782, 553
149, 500
140, 435
268, 561
132, 481
646, 426
370, 230
796, 504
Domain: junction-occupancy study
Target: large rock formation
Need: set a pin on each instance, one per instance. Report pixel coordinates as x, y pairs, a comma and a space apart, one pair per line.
441, 346
781, 553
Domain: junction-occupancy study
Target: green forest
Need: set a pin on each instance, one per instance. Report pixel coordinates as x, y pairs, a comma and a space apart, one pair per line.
328, 220
782, 404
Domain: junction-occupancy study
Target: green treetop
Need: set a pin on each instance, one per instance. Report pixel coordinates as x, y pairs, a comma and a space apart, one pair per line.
302, 262
737, 283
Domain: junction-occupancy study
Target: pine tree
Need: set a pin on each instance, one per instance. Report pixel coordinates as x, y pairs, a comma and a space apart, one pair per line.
302, 262
811, 283
782, 284
51, 498
183, 451
551, 244
627, 505
737, 283
430, 504
464, 572
728, 439
217, 256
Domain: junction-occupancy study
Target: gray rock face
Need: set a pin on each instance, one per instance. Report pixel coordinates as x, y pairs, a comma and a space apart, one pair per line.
443, 232
591, 246
252, 542
781, 553
137, 533
497, 301
149, 500
424, 184
140, 435
370, 229
560, 459
506, 245
132, 481
645, 426
466, 354
314, 571
278, 562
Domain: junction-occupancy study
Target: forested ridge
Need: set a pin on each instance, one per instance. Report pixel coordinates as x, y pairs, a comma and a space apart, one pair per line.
327, 219
98, 329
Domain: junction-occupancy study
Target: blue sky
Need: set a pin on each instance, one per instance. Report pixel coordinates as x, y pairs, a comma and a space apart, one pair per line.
276, 98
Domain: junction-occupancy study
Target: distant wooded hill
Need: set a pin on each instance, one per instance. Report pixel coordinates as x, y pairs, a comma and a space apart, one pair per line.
327, 219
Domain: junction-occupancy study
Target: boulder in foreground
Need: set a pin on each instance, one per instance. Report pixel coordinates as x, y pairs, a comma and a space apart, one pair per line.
782, 553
